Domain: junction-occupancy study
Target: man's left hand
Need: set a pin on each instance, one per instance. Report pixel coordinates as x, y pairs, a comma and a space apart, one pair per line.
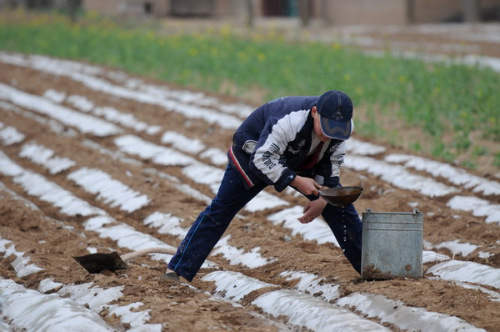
312, 210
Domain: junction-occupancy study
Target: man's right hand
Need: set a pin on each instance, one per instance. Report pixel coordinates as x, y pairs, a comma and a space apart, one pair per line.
306, 186
312, 210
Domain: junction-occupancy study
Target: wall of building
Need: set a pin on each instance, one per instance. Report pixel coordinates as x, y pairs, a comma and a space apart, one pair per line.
161, 8
225, 8
427, 11
365, 12
158, 8
108, 7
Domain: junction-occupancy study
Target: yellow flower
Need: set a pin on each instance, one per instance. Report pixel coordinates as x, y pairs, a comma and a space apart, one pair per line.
91, 15
225, 31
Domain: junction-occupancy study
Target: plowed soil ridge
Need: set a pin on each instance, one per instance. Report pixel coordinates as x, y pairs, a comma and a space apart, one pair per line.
96, 160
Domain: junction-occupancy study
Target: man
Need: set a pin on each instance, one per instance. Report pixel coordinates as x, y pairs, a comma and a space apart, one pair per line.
291, 141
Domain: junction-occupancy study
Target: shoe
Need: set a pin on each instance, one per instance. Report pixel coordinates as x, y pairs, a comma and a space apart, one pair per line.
168, 277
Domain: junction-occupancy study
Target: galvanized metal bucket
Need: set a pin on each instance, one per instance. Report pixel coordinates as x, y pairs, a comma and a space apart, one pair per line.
392, 245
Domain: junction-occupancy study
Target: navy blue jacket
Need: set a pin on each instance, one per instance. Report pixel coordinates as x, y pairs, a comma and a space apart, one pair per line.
275, 139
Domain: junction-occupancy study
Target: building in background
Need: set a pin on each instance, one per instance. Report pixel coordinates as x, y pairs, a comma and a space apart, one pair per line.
328, 12
36, 4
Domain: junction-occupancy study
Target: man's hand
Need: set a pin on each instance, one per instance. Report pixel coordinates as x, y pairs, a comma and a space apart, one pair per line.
307, 186
312, 210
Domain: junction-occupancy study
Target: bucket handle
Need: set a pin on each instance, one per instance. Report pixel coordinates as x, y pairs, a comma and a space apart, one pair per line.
415, 211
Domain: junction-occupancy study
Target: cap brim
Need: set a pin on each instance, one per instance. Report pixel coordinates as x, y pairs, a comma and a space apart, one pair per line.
336, 129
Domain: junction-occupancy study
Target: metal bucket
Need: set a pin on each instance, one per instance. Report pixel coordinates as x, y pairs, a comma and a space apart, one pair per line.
392, 245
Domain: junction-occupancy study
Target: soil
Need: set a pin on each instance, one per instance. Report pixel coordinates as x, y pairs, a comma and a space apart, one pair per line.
51, 238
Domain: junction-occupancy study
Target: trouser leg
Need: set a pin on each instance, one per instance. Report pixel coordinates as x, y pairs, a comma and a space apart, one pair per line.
347, 228
208, 228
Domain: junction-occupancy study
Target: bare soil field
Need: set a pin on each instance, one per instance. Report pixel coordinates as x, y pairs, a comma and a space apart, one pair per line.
97, 160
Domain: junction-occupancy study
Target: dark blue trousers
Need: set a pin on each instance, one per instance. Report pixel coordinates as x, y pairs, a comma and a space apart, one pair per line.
232, 196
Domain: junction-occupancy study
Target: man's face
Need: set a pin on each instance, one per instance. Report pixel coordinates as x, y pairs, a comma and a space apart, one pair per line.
317, 125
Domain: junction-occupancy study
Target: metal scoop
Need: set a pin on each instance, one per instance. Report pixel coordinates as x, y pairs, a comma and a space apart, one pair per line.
341, 196
95, 263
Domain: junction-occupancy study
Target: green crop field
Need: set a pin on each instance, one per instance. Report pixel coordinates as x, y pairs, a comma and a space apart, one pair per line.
446, 110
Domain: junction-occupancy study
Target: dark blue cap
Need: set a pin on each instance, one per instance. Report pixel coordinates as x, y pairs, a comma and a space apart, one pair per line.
335, 108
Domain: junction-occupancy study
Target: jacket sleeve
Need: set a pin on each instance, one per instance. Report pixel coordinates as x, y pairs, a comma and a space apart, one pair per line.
328, 169
266, 161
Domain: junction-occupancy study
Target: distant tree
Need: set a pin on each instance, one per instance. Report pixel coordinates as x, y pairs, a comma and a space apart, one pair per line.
305, 11
250, 17
471, 10
72, 6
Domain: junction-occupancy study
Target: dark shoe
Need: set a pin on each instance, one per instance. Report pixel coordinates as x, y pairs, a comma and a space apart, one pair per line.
169, 277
